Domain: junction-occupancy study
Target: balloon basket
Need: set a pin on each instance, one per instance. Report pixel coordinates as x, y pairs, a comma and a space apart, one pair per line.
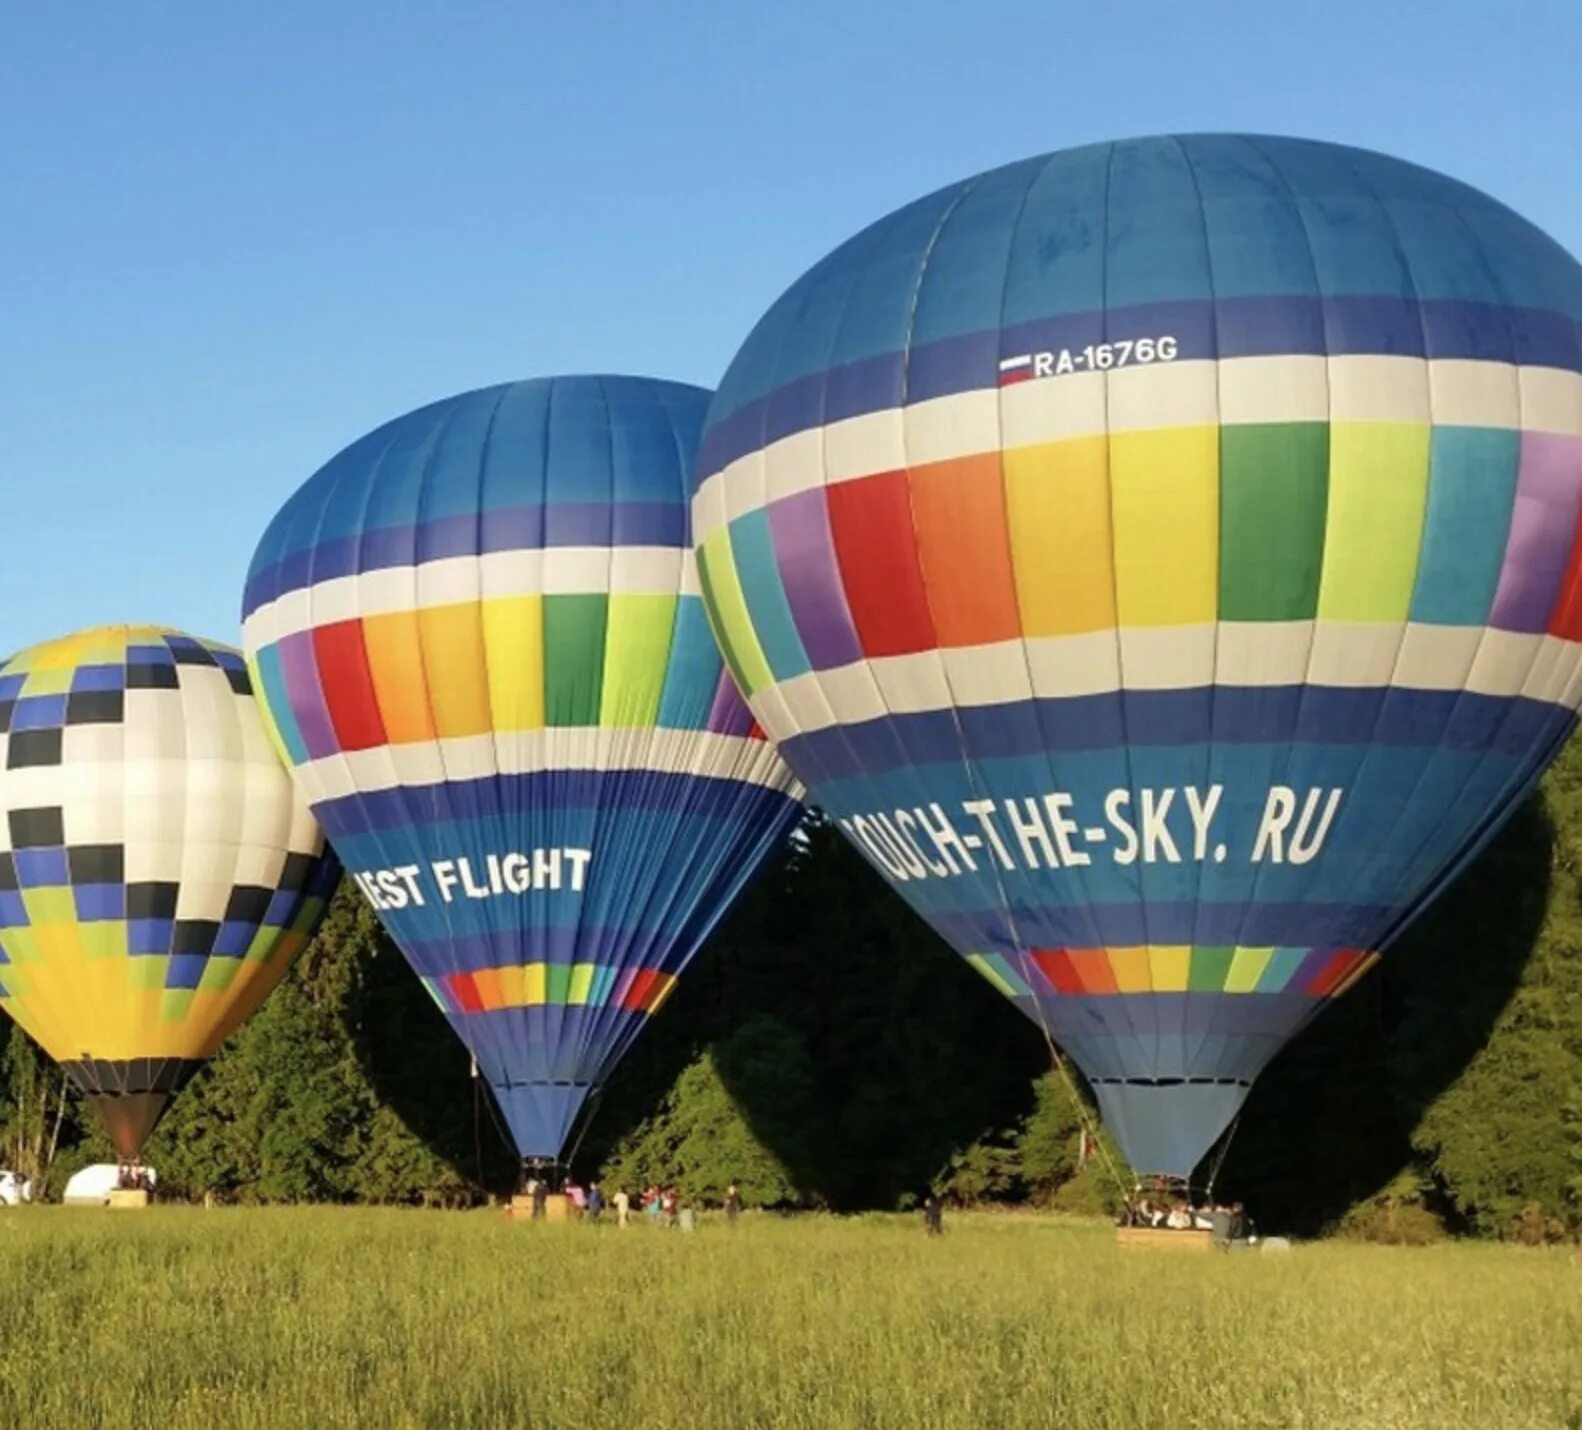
556, 1208
1159, 1238
127, 1199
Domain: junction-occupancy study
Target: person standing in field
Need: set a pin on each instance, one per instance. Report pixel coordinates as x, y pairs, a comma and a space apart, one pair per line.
933, 1215
594, 1201
668, 1204
733, 1204
623, 1207
540, 1195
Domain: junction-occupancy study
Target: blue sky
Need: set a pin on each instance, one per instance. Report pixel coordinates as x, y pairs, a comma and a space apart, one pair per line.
233, 238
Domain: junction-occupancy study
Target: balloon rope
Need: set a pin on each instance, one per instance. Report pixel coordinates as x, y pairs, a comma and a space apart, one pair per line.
486, 1095
1059, 1061
590, 1110
477, 1127
1219, 1159
1090, 1127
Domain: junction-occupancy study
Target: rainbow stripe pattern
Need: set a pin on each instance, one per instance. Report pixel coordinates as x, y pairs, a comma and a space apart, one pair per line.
1161, 557
479, 638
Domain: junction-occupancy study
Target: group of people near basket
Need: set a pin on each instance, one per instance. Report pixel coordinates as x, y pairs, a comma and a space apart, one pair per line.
665, 1206
662, 1205
1228, 1222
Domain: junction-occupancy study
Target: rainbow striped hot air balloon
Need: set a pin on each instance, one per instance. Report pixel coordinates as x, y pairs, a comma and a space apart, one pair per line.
478, 635
157, 871
1161, 558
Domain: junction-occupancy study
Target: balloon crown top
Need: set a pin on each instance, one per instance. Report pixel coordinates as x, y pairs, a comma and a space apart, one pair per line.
1236, 230
582, 460
106, 643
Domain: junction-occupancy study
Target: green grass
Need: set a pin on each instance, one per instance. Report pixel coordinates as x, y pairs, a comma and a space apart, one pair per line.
323, 1317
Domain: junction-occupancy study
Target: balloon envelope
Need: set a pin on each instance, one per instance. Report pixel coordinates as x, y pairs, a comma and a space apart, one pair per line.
478, 634
1161, 558
157, 871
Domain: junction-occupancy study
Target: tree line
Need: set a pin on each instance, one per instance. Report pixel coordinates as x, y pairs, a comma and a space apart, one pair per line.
827, 1050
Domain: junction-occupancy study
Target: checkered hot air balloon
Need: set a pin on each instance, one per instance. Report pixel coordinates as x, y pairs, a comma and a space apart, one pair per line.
1161, 558
158, 873
478, 636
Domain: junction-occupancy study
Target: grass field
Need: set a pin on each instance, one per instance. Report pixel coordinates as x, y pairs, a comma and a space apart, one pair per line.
186, 1318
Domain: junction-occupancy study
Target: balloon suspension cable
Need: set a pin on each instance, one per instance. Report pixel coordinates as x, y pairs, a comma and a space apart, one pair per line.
590, 1111
494, 1117
1219, 1156
1090, 1126
1030, 976
477, 1125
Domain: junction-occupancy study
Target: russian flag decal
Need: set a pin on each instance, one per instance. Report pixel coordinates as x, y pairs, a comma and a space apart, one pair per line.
1016, 369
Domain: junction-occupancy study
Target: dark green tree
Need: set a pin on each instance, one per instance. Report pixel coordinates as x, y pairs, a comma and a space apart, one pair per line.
36, 1109
700, 1140
826, 1048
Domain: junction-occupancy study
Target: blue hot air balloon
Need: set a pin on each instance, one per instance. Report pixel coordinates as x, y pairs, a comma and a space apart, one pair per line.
1161, 559
478, 636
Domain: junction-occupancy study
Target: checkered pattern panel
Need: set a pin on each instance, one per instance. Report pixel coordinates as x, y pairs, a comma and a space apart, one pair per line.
157, 872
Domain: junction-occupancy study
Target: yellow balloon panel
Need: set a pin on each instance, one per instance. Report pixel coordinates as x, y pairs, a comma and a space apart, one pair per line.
157, 871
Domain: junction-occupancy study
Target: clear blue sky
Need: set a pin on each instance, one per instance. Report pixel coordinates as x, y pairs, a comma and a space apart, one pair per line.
235, 237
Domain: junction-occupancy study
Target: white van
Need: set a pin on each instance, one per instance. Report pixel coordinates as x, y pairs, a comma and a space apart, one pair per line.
15, 1189
92, 1186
